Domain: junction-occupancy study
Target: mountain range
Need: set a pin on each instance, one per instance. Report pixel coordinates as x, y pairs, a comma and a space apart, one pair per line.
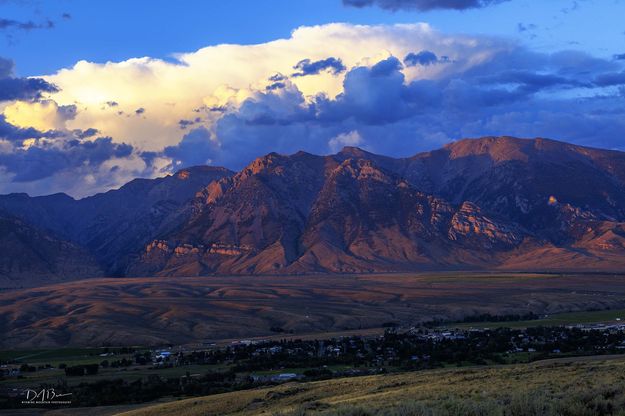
488, 203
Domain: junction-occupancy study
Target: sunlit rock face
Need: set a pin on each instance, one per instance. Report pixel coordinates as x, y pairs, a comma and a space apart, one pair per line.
475, 203
495, 202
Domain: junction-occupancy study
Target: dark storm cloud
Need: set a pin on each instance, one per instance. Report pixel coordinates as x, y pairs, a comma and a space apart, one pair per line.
195, 148
531, 81
44, 160
21, 88
371, 95
308, 67
83, 134
386, 67
275, 86
610, 79
424, 58
423, 5
514, 92
71, 154
12, 133
24, 88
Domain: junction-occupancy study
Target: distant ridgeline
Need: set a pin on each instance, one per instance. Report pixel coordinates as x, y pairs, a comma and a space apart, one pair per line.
489, 203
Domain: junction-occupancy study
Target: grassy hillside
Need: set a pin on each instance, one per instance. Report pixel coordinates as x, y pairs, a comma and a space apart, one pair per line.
585, 386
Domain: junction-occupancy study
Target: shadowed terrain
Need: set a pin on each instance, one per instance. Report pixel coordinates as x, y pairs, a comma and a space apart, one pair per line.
131, 311
585, 386
476, 204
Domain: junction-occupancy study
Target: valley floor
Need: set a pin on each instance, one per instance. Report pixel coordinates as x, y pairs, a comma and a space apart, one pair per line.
158, 311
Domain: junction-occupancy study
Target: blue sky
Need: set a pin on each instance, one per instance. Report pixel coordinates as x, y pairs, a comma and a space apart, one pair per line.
116, 30
94, 93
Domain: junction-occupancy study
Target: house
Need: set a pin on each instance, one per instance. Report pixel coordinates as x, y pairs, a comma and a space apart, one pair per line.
163, 355
284, 377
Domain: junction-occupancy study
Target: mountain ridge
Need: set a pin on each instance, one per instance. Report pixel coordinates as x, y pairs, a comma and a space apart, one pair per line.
492, 202
477, 180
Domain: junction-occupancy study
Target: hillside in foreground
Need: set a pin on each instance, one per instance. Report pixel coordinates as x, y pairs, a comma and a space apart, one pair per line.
583, 386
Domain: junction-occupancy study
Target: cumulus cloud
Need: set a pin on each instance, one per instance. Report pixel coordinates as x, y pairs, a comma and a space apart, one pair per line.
37, 162
83, 134
196, 148
351, 138
423, 5
10, 132
57, 159
12, 88
23, 88
375, 95
216, 78
43, 115
424, 58
392, 94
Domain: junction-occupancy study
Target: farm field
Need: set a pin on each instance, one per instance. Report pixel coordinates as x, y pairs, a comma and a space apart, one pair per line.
612, 316
159, 311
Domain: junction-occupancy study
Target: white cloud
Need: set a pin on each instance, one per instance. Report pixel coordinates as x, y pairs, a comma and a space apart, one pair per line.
228, 74
237, 102
352, 138
41, 115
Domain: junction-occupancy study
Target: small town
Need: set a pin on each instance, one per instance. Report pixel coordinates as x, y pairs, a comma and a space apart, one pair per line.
210, 368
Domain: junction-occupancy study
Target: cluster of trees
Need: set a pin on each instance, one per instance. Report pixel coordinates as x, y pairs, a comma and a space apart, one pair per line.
394, 351
82, 370
484, 317
487, 317
413, 350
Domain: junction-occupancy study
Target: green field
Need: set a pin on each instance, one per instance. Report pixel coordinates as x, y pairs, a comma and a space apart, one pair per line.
570, 318
47, 354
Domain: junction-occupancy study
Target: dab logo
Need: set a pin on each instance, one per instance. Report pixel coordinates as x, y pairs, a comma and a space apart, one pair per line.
45, 396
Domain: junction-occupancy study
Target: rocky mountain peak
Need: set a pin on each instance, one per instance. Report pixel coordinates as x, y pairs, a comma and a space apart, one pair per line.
494, 202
